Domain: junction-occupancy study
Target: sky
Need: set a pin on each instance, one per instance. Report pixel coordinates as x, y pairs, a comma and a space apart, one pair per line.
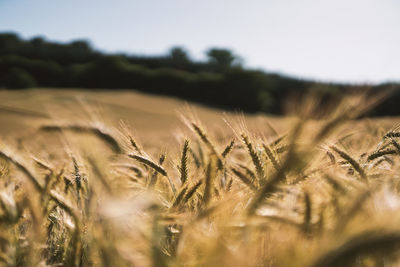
328, 40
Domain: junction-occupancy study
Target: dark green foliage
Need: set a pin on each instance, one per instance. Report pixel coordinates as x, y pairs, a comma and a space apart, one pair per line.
43, 73
17, 78
221, 81
179, 57
222, 59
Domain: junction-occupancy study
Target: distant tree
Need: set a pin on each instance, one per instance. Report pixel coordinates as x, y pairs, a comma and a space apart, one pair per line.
222, 58
36, 48
37, 41
18, 78
9, 43
79, 51
80, 45
179, 56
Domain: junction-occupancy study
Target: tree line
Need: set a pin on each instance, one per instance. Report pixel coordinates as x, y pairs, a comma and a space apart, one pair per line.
220, 80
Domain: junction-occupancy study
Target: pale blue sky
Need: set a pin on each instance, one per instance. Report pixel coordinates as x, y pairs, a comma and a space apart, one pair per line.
337, 40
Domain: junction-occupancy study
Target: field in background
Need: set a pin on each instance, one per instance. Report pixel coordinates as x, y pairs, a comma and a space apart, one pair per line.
148, 114
23, 110
127, 179
154, 119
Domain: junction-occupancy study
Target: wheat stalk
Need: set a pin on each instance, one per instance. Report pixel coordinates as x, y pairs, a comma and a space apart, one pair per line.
184, 162
151, 164
255, 158
100, 133
350, 160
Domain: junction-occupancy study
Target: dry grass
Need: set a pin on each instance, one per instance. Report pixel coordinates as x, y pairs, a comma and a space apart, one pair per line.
311, 193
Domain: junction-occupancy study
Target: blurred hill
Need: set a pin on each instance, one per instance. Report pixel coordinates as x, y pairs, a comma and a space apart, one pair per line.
220, 81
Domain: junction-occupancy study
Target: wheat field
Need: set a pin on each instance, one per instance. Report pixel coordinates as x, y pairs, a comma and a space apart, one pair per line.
124, 179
